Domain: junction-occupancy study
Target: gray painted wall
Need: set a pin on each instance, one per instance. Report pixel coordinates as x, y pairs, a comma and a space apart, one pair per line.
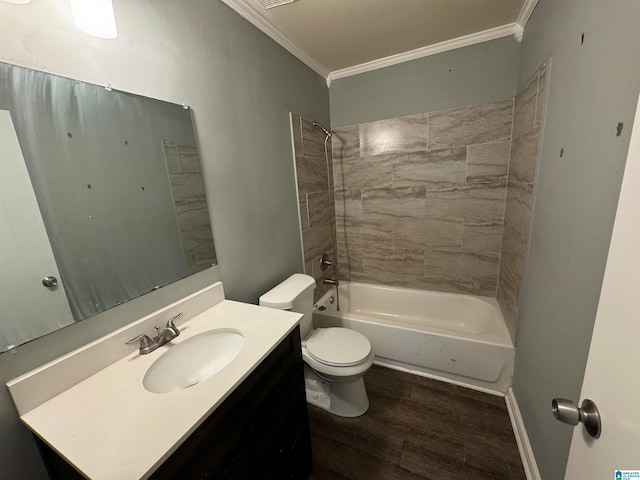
592, 87
481, 73
241, 86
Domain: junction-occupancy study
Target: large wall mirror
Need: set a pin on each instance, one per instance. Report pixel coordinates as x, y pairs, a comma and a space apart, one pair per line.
102, 199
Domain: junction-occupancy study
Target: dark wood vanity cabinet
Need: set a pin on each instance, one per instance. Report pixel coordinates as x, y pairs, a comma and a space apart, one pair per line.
261, 431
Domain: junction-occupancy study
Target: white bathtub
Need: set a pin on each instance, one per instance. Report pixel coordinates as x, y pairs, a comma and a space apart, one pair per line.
461, 339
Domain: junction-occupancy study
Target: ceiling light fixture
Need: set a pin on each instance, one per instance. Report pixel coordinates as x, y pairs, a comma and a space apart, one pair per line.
95, 17
21, 2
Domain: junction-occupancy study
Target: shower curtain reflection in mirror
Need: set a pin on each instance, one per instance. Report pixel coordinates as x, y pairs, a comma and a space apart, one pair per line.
118, 182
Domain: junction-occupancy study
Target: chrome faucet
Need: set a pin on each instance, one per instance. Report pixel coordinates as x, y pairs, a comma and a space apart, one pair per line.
330, 281
168, 333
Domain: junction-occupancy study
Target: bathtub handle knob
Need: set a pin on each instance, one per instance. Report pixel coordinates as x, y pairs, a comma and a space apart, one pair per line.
325, 262
567, 412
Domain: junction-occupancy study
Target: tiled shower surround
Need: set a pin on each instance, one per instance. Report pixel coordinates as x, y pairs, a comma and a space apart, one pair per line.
527, 123
437, 201
420, 199
315, 196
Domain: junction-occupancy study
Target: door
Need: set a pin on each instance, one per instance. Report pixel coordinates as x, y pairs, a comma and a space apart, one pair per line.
28, 309
612, 377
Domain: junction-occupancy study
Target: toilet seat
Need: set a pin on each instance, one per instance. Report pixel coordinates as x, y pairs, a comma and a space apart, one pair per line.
337, 347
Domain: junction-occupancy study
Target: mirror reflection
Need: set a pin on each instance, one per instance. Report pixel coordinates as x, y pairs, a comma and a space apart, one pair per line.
102, 200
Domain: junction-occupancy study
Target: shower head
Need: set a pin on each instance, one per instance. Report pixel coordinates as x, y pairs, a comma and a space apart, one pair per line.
326, 132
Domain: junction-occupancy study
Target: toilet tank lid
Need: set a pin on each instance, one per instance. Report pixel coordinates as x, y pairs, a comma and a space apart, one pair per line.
283, 295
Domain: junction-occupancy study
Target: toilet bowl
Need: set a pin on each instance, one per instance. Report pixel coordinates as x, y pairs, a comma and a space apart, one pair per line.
335, 358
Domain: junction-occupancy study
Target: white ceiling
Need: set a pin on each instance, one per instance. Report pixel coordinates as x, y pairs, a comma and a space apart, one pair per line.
332, 36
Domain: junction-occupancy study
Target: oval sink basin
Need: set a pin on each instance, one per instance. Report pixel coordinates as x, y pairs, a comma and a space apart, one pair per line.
194, 360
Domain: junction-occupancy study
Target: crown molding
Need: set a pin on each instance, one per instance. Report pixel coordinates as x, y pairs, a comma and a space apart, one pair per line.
465, 41
516, 29
525, 13
249, 14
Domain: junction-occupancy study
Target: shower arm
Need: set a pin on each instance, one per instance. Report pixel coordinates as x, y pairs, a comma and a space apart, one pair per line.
321, 127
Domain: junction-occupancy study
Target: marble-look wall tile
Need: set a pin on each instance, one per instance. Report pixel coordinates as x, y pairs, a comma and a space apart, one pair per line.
182, 213
199, 212
471, 125
349, 261
329, 163
317, 240
431, 167
363, 231
188, 158
488, 162
488, 291
365, 172
183, 163
348, 203
346, 142
482, 236
395, 279
401, 134
397, 265
459, 271
427, 232
171, 156
540, 103
420, 200
320, 211
478, 202
312, 175
512, 263
197, 241
187, 185
304, 212
432, 214
317, 205
320, 276
528, 118
308, 267
518, 207
397, 202
437, 192
524, 156
296, 132
448, 284
524, 110
194, 238
312, 140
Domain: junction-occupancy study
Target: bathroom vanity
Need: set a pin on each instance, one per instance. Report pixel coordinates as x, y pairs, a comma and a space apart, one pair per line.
247, 421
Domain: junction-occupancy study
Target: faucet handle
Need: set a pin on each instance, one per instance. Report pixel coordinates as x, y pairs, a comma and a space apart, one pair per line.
145, 341
172, 325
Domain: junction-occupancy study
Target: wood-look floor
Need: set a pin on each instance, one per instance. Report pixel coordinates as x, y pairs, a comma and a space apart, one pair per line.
416, 428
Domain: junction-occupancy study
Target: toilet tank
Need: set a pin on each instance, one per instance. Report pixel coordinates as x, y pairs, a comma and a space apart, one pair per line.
295, 294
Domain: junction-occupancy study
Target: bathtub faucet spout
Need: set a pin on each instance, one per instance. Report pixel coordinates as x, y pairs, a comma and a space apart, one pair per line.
330, 281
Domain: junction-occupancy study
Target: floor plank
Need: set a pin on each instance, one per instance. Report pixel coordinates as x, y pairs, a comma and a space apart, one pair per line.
416, 428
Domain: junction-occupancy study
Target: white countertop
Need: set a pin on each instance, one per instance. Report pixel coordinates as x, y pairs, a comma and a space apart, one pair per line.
110, 427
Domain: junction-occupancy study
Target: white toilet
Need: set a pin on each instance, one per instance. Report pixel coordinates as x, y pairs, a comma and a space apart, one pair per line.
335, 358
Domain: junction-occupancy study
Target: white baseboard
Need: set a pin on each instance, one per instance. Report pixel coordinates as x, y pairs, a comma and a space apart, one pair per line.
522, 439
